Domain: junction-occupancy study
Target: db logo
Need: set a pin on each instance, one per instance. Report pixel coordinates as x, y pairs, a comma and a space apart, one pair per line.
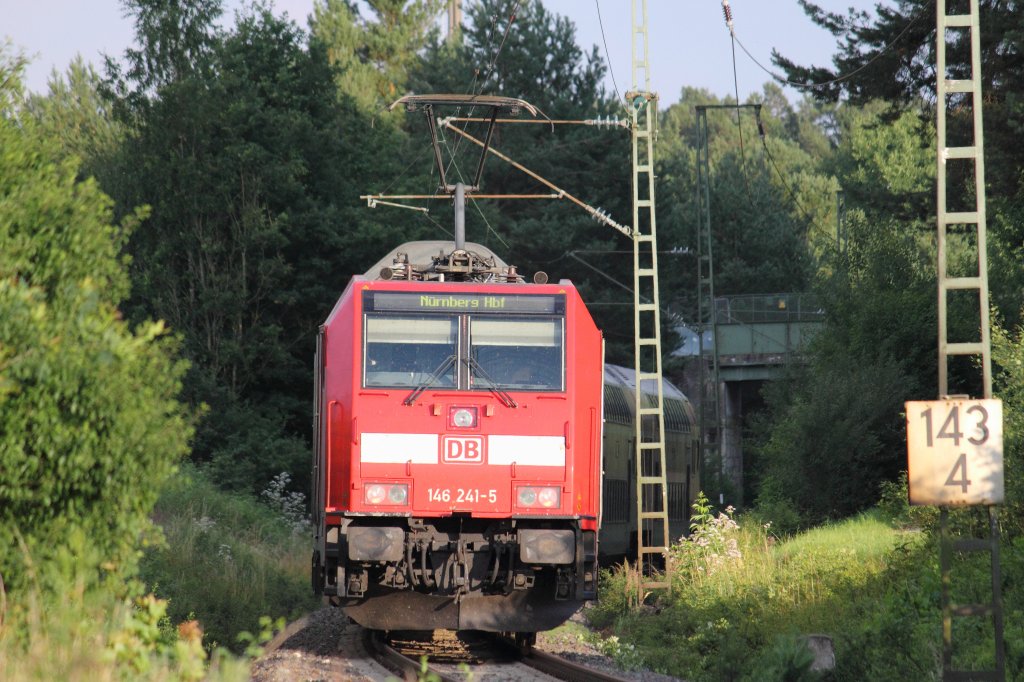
462, 449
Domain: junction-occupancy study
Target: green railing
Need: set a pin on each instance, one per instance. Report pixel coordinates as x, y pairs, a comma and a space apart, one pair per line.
761, 308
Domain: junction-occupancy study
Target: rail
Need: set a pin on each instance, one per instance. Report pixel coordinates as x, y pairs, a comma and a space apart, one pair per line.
512, 657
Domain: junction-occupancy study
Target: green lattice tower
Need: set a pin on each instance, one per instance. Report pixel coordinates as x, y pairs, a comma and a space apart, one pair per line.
707, 318
651, 475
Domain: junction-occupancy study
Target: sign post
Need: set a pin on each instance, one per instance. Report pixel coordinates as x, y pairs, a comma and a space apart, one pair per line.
955, 458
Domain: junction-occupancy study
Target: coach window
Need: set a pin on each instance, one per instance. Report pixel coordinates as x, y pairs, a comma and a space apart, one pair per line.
517, 353
405, 350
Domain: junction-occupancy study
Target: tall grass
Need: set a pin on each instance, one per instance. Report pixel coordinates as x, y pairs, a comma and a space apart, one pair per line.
228, 560
742, 599
78, 629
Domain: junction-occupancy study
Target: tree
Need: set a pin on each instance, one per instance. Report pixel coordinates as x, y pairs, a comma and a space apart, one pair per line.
252, 165
891, 57
521, 50
372, 56
90, 424
175, 41
769, 202
834, 431
74, 111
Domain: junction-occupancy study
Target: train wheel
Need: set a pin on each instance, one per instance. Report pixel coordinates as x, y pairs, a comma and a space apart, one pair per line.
525, 640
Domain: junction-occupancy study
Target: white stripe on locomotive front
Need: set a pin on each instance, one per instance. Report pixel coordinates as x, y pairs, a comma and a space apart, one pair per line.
422, 448
399, 448
542, 451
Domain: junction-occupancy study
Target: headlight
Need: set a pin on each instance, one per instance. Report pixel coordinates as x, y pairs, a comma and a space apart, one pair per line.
375, 544
547, 497
538, 546
462, 417
386, 493
375, 493
398, 494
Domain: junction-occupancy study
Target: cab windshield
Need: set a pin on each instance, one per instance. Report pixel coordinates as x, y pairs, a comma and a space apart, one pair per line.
408, 350
465, 341
516, 353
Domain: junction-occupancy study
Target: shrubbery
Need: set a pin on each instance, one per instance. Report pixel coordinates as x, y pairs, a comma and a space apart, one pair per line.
90, 424
742, 598
229, 560
89, 421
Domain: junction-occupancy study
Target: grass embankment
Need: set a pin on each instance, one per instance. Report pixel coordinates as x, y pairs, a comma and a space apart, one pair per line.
225, 564
229, 560
90, 633
742, 600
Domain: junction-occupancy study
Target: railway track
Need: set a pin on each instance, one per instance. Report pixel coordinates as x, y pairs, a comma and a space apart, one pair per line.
457, 656
323, 646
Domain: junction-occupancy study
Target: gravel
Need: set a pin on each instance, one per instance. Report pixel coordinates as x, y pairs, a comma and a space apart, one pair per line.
326, 646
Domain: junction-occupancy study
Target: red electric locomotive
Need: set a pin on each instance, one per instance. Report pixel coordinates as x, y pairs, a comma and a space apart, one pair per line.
457, 469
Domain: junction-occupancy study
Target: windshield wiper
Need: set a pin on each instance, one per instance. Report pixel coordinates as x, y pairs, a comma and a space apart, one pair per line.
434, 376
503, 395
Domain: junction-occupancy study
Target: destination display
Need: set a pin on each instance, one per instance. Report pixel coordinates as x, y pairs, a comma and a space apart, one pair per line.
400, 301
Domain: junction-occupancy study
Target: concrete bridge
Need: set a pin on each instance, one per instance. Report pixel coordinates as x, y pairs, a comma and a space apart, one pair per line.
757, 336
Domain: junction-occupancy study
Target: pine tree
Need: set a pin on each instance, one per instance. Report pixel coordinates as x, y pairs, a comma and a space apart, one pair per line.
890, 56
252, 165
372, 55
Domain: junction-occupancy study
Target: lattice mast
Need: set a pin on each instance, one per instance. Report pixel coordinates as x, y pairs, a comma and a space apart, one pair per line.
707, 319
952, 95
651, 474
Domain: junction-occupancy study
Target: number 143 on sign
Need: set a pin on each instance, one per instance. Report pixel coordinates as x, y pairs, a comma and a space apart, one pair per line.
955, 452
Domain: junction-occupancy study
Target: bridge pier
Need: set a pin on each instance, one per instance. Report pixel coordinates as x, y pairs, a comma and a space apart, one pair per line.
732, 440
757, 336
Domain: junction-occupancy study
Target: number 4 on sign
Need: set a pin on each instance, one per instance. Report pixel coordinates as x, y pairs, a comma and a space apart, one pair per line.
959, 469
955, 452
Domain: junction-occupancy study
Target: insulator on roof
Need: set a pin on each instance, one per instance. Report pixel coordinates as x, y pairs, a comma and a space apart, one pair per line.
727, 13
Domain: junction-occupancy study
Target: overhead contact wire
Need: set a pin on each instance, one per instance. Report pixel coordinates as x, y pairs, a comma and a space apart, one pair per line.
475, 204
491, 66
727, 12
839, 79
809, 221
607, 54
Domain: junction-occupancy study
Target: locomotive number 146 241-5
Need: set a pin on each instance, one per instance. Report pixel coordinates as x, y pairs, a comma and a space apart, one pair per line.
462, 495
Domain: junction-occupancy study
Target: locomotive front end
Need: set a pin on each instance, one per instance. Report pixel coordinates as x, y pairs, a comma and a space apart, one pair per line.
458, 471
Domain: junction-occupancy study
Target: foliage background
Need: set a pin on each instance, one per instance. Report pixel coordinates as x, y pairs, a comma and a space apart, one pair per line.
175, 226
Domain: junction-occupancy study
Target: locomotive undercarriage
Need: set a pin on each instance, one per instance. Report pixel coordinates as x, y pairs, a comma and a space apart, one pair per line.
395, 573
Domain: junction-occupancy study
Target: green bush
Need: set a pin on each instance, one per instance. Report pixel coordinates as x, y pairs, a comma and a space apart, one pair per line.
742, 599
894, 506
1008, 359
788, 660
89, 421
76, 633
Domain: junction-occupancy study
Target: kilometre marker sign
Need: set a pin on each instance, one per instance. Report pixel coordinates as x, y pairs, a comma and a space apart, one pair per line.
955, 452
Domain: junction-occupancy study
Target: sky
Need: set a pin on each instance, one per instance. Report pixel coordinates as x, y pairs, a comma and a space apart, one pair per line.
689, 43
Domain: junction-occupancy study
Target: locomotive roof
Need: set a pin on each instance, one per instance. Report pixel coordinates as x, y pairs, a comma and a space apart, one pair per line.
624, 377
422, 252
